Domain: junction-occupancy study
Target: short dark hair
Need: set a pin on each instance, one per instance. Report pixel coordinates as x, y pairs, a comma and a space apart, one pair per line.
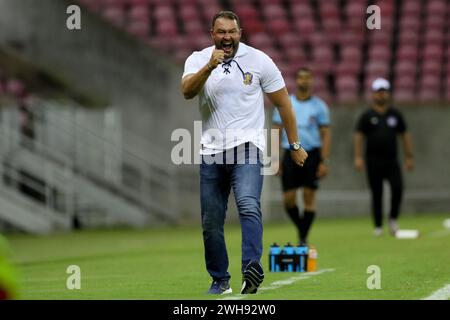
227, 15
304, 69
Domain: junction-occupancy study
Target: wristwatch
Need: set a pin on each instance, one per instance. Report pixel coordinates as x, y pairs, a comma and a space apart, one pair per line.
295, 146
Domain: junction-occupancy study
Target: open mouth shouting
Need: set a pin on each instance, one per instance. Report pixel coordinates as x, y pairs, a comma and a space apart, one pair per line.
228, 48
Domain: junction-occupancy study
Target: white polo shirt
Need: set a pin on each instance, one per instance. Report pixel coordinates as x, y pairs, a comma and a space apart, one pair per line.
232, 99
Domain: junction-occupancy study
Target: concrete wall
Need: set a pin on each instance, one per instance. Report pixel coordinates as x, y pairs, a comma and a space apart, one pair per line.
144, 89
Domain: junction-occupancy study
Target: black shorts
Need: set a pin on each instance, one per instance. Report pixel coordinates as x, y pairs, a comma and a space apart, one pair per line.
293, 176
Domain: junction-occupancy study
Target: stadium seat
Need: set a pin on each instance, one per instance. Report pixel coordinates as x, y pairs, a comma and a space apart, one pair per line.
195, 27
347, 88
431, 67
189, 13
404, 95
436, 7
295, 54
351, 53
278, 27
139, 2
408, 38
115, 15
273, 11
346, 68
305, 27
411, 7
15, 87
139, 13
404, 82
407, 52
434, 52
260, 40
301, 10
140, 29
167, 28
252, 26
405, 67
379, 52
429, 95
162, 13
289, 40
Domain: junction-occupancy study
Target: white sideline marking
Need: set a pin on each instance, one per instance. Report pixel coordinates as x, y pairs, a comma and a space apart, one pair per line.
440, 294
278, 284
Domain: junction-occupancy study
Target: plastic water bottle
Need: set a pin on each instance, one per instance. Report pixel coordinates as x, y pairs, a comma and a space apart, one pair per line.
302, 252
312, 259
275, 250
289, 251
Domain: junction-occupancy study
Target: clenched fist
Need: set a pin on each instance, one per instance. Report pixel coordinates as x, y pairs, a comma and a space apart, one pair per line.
217, 58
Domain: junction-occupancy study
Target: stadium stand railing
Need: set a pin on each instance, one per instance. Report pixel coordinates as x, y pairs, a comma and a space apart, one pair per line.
80, 173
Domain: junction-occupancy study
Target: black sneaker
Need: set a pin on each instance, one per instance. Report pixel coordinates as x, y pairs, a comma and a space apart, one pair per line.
220, 287
252, 277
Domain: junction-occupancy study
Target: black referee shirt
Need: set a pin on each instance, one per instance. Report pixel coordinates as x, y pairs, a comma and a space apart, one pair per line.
381, 130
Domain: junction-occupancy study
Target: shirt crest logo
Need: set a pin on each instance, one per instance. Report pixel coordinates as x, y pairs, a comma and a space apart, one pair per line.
248, 78
392, 122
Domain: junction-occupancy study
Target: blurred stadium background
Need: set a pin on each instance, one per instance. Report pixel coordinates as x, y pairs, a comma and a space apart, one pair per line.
86, 116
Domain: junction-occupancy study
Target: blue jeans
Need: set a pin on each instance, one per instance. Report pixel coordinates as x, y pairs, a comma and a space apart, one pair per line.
216, 181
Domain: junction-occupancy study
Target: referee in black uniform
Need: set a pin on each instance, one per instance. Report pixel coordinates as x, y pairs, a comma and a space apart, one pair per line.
380, 126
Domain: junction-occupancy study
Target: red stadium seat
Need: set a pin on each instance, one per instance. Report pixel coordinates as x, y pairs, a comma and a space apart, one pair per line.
408, 38
378, 67
404, 95
407, 52
431, 81
278, 27
404, 82
429, 95
346, 68
434, 52
115, 15
195, 27
411, 7
274, 11
379, 52
165, 12
167, 28
351, 53
351, 37
356, 9
379, 37
405, 67
252, 26
410, 24
295, 54
189, 13
305, 27
259, 40
140, 29
201, 42
434, 37
436, 7
431, 67
246, 11
274, 54
139, 2
301, 10
289, 40
15, 87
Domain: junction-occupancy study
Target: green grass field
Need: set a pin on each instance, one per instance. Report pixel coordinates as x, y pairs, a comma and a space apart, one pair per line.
167, 263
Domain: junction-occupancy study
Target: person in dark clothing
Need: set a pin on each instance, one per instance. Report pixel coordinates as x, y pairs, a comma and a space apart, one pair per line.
379, 127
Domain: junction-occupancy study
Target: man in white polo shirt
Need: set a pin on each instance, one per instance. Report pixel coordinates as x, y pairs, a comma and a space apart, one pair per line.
230, 79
